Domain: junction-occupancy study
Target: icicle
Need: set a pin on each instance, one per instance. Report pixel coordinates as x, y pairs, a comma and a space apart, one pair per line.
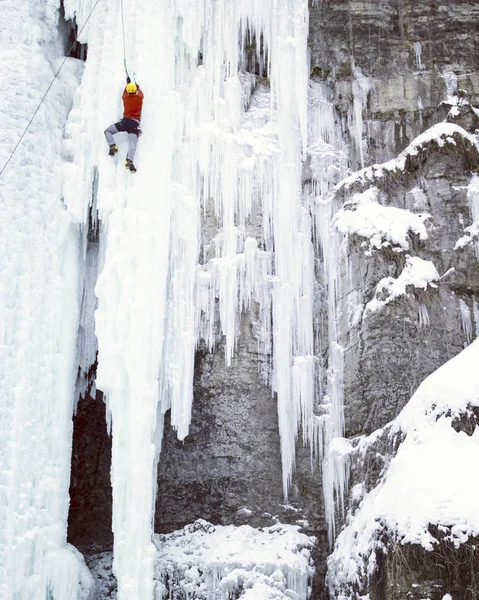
475, 311
250, 160
176, 384
420, 108
473, 198
466, 320
327, 166
418, 53
423, 315
361, 88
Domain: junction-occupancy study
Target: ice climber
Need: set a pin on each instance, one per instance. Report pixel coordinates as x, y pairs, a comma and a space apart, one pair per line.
132, 105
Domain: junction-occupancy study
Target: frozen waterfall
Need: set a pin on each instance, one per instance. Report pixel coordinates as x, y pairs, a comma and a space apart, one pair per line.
226, 134
39, 306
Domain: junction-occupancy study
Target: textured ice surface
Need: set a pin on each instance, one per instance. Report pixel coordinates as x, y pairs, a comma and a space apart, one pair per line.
39, 306
209, 145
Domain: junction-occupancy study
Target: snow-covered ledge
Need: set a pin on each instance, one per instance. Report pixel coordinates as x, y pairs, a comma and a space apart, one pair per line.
427, 486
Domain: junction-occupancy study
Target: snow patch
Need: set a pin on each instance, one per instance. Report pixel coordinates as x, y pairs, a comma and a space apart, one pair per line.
417, 273
221, 562
383, 226
427, 482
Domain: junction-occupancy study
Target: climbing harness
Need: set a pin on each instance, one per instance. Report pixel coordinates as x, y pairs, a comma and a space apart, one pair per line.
48, 89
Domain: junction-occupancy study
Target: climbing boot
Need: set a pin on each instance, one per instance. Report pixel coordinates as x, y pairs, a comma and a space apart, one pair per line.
129, 165
113, 150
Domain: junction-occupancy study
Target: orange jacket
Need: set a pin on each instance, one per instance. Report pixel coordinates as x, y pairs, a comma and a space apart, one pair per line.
132, 104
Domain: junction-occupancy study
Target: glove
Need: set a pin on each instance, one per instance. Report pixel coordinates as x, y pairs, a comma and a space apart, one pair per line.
128, 80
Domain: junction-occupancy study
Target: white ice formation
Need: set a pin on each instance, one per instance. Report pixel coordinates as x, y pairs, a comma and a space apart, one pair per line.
221, 562
209, 147
219, 147
223, 149
39, 308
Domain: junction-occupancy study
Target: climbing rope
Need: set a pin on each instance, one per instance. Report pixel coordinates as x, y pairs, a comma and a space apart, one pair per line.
48, 89
124, 44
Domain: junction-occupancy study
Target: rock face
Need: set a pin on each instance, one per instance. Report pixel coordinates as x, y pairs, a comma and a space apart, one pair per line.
228, 469
390, 350
410, 55
407, 572
89, 520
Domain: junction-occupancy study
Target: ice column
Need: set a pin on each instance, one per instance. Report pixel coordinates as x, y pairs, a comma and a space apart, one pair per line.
200, 151
475, 312
361, 88
466, 320
136, 242
418, 52
328, 166
39, 308
292, 291
473, 198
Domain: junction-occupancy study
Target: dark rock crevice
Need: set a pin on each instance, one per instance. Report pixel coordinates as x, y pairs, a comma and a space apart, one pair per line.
89, 519
69, 31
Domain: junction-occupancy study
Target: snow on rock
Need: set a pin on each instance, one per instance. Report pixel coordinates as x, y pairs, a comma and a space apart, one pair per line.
441, 134
381, 225
417, 273
100, 566
227, 562
471, 236
427, 482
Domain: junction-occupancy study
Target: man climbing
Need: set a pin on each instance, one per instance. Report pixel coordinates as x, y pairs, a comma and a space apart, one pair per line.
132, 105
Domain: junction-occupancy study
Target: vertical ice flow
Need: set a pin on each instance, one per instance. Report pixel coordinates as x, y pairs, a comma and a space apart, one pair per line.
135, 246
39, 305
214, 147
473, 198
361, 88
328, 166
239, 155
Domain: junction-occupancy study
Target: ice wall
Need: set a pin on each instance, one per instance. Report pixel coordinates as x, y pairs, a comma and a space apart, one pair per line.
241, 155
199, 151
225, 148
134, 218
39, 311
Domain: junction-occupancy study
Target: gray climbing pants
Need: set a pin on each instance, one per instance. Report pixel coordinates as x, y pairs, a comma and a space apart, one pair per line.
131, 127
